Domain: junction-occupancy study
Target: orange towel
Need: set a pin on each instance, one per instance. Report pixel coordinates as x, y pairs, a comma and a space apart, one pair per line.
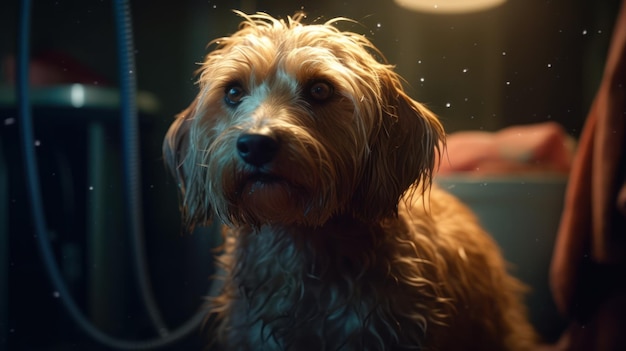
589, 262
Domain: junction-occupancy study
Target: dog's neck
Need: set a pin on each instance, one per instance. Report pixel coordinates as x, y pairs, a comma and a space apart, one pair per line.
340, 228
342, 242
340, 225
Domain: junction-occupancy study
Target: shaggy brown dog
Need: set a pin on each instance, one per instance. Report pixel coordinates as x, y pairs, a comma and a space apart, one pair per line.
303, 142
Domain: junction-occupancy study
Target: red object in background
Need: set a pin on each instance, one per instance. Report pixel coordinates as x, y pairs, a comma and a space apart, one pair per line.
54, 68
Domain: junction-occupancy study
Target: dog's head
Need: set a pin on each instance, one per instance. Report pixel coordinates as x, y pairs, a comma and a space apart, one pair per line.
295, 124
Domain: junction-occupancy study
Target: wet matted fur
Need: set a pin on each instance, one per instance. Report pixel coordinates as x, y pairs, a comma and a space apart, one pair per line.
304, 144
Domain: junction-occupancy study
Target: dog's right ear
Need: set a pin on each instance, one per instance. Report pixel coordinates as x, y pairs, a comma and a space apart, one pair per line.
176, 153
176, 144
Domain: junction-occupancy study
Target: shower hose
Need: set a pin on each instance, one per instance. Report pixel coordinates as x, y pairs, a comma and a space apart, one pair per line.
132, 187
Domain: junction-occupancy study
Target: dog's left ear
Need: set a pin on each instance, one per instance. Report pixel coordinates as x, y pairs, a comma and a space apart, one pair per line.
403, 152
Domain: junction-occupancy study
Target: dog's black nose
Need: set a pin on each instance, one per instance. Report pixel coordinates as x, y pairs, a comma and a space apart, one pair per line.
257, 149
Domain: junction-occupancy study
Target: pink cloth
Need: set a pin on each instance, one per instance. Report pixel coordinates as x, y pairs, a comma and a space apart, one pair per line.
543, 147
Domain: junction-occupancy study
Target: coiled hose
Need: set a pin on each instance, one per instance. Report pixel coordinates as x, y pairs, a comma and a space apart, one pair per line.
133, 185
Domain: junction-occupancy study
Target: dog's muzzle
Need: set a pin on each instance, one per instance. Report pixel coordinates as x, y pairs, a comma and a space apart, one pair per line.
257, 148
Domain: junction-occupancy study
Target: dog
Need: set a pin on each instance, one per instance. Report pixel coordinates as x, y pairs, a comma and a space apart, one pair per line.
303, 143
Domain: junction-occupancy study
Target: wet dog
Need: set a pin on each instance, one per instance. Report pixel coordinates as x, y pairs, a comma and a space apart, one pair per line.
304, 144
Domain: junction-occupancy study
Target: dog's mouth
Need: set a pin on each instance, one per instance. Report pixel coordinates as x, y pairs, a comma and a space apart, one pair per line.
268, 197
261, 182
263, 178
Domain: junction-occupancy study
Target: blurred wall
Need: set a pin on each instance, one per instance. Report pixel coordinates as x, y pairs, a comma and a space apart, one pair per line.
526, 61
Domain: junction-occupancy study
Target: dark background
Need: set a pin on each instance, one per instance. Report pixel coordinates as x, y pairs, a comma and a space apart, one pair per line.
526, 61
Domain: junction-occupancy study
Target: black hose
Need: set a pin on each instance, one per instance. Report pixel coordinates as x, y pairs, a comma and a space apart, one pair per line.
36, 203
131, 159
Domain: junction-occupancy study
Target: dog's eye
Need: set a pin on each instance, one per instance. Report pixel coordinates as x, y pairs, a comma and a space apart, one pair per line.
320, 91
233, 94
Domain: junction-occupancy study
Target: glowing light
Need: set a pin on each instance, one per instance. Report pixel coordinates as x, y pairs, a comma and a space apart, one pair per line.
77, 95
449, 6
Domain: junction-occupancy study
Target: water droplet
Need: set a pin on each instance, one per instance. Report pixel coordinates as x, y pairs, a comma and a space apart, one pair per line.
599, 31
503, 53
448, 104
422, 79
9, 121
549, 65
508, 83
465, 70
56, 294
214, 6
37, 143
419, 61
378, 25
91, 187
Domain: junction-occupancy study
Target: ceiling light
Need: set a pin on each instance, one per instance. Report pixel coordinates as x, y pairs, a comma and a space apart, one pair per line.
448, 6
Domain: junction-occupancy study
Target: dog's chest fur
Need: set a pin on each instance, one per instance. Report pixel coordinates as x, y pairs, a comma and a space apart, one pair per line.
336, 287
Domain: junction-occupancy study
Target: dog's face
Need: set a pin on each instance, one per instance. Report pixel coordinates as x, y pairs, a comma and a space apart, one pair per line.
295, 124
